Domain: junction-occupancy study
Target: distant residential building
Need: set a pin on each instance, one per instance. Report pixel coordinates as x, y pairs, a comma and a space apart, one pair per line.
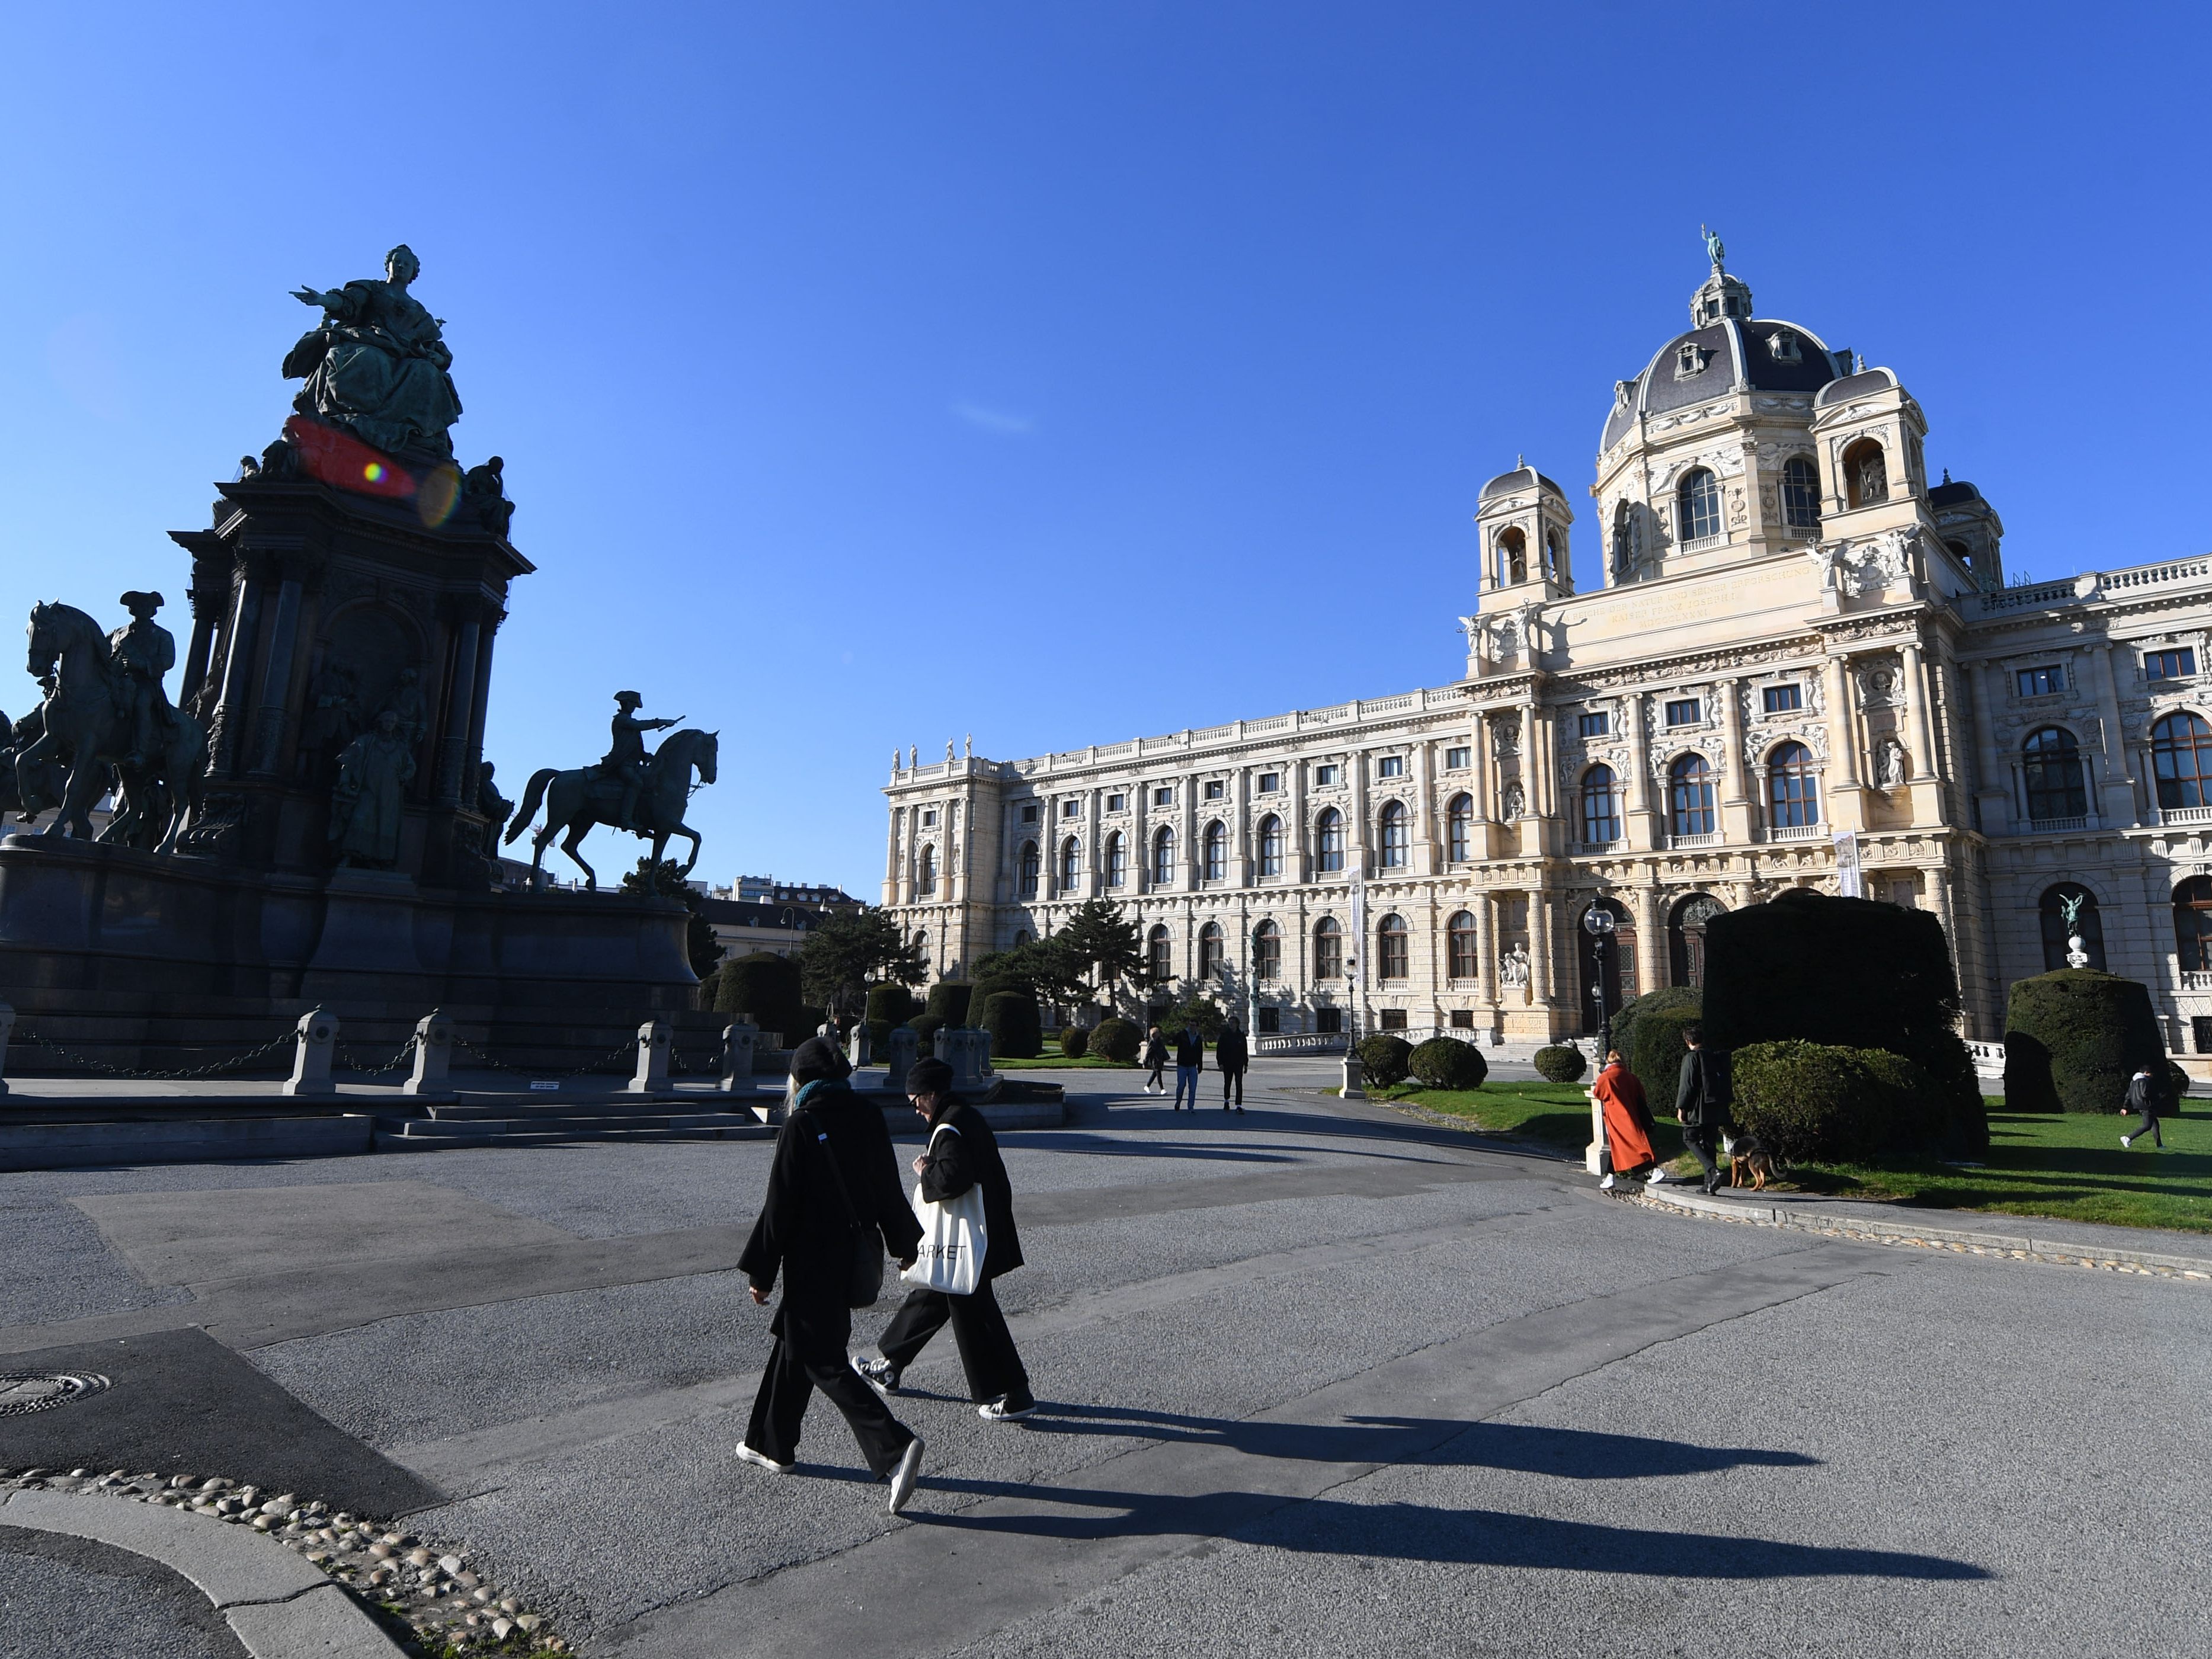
742, 929
767, 889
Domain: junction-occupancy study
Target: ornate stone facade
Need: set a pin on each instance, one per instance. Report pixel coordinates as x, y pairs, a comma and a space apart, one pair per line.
1803, 650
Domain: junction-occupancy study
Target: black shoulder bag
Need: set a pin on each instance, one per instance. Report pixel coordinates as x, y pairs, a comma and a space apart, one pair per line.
864, 1282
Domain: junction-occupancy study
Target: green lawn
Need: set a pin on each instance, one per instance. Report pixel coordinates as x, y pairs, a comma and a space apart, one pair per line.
1555, 1113
1062, 1062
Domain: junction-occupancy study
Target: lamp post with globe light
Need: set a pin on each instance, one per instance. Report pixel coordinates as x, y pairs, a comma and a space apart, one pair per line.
1598, 923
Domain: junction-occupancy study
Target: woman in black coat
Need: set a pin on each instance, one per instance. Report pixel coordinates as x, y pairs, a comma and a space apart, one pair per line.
966, 1156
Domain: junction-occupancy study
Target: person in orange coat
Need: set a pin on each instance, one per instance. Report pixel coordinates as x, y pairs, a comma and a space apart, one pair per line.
1628, 1121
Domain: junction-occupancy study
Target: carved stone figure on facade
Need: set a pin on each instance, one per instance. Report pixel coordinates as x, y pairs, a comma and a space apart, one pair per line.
626, 757
367, 808
483, 496
1513, 968
1512, 800
333, 719
1870, 477
140, 653
948, 751
913, 755
496, 807
376, 364
1889, 762
412, 707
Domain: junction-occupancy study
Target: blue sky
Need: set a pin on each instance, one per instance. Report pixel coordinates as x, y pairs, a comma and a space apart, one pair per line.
874, 373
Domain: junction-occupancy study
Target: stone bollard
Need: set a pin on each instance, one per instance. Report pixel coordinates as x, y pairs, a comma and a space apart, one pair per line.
1352, 1090
967, 1052
905, 1047
857, 1051
651, 1078
738, 1041
1594, 1158
311, 1059
434, 1053
6, 1031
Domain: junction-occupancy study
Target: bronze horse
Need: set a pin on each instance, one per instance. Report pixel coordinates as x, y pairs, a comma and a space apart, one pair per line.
578, 800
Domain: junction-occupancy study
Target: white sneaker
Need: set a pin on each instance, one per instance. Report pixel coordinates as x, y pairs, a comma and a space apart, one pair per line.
998, 1411
2127, 1141
761, 1460
878, 1374
1606, 1185
1656, 1175
903, 1477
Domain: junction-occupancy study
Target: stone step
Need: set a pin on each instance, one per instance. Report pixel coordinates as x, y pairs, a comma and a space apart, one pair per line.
536, 1135
447, 1128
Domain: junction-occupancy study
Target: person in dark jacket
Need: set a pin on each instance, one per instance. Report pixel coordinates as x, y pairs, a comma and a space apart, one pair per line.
1190, 1058
2147, 1096
1156, 1056
965, 1155
1228, 1053
833, 1166
1700, 1105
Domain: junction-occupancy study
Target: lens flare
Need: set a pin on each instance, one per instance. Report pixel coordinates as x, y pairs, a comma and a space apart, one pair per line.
374, 472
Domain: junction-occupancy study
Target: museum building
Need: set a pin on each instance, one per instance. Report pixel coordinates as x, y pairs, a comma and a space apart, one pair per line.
1805, 668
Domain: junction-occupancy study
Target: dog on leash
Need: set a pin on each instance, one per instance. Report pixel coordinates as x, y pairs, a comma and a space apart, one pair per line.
1748, 1161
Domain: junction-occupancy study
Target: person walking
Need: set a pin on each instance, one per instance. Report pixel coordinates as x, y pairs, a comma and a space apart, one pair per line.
2146, 1095
1190, 1059
1700, 1104
1156, 1056
1229, 1054
1627, 1118
834, 1181
962, 1154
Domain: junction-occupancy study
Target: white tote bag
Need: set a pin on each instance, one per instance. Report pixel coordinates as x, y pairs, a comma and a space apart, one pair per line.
950, 1258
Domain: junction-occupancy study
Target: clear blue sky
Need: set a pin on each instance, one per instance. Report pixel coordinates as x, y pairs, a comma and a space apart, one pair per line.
873, 374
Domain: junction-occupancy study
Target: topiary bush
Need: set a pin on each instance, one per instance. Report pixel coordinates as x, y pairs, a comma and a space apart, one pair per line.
764, 987
2073, 1039
1383, 1059
1117, 1039
948, 1002
892, 1003
1648, 1032
1075, 1043
1445, 1062
808, 1019
879, 1041
2178, 1082
926, 1028
1016, 1030
1561, 1062
1820, 1102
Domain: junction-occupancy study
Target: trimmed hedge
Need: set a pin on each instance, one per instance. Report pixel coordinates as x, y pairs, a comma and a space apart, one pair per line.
1445, 1062
1117, 1039
1648, 1032
2073, 1039
765, 987
1561, 1062
1820, 1102
1383, 1059
1017, 1029
894, 1005
948, 1001
1075, 1043
879, 1040
925, 1027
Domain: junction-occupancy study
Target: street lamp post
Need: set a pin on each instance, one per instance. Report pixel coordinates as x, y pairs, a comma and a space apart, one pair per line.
1598, 923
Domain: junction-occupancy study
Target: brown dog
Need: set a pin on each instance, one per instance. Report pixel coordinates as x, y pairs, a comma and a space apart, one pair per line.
1748, 1157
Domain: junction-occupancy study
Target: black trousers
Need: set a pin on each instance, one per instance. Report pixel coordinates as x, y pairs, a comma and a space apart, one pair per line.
810, 1354
1232, 1080
987, 1347
2148, 1126
1702, 1142
1155, 1081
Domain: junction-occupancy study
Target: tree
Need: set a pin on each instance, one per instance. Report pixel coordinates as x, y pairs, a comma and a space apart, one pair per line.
1044, 968
1108, 947
666, 879
842, 956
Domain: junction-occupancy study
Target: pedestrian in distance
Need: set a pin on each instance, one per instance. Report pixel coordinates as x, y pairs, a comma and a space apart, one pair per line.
962, 1154
1627, 1118
1701, 1104
1190, 1059
1156, 1056
1231, 1055
2146, 1094
833, 1189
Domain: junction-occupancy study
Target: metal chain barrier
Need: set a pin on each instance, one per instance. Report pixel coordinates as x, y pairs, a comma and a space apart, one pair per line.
213, 1069
345, 1059
497, 1065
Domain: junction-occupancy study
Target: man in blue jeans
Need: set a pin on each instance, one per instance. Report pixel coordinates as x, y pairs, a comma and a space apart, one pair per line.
1190, 1056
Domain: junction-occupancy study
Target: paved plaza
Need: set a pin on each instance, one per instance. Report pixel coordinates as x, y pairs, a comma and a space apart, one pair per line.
1323, 1379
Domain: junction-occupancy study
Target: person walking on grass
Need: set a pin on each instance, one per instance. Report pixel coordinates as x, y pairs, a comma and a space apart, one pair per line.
1190, 1058
834, 1174
1627, 1122
1700, 1105
963, 1153
1231, 1055
1156, 1056
2146, 1095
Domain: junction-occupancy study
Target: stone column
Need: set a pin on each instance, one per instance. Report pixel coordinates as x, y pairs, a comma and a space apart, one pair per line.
1093, 875
1650, 940
890, 859
1299, 868
1141, 826
1486, 948
1915, 686
1478, 785
1736, 814
1356, 861
276, 674
1643, 821
1241, 865
1190, 849
1539, 946
2118, 795
1995, 799
460, 700
205, 597
1846, 811
488, 621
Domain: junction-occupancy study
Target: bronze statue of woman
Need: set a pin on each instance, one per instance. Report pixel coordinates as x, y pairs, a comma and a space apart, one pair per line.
377, 364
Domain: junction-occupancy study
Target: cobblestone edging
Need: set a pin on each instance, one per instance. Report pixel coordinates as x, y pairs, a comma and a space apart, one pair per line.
2013, 1247
446, 1606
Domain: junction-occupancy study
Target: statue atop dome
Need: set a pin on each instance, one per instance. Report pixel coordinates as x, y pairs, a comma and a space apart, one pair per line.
1714, 249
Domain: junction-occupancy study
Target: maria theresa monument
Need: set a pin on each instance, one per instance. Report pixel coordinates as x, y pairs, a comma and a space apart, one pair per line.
1804, 668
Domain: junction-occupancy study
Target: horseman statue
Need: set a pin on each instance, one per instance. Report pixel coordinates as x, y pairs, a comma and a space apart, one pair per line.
106, 723
630, 789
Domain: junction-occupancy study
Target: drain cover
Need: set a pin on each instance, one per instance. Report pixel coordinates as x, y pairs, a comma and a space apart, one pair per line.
21, 1392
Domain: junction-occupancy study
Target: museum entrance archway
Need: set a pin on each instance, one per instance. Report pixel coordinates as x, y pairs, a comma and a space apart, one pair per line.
1686, 938
1620, 976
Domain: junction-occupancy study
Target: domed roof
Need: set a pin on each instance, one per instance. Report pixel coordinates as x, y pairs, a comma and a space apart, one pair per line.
1749, 353
1856, 386
1521, 477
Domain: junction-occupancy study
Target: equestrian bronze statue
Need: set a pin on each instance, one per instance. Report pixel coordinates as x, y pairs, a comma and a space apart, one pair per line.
629, 789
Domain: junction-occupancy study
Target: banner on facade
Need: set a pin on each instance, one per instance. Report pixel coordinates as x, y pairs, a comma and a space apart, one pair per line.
1849, 882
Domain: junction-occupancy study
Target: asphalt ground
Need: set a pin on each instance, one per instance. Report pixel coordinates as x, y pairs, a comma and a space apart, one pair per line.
1318, 1378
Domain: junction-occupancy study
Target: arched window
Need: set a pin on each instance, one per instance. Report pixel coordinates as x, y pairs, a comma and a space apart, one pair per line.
1459, 828
1601, 807
1690, 797
1029, 868
2181, 759
1801, 494
1390, 952
1021, 937
1698, 500
1211, 953
1266, 951
1159, 956
1793, 794
2192, 923
1396, 839
1216, 851
925, 873
1163, 857
2050, 767
1271, 846
1329, 949
1555, 554
921, 943
1624, 541
1117, 859
1459, 956
1512, 556
1866, 474
1686, 938
1071, 865
2087, 924
1329, 839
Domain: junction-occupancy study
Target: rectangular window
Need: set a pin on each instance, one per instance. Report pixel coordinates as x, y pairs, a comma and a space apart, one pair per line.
1270, 783
1069, 809
929, 819
1780, 699
2173, 665
1028, 812
1328, 1020
1324, 776
1115, 803
1683, 711
1391, 766
1393, 1019
1598, 725
2040, 682
1462, 1020
1270, 1021
1163, 796
1215, 788
1458, 760
2200, 1031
